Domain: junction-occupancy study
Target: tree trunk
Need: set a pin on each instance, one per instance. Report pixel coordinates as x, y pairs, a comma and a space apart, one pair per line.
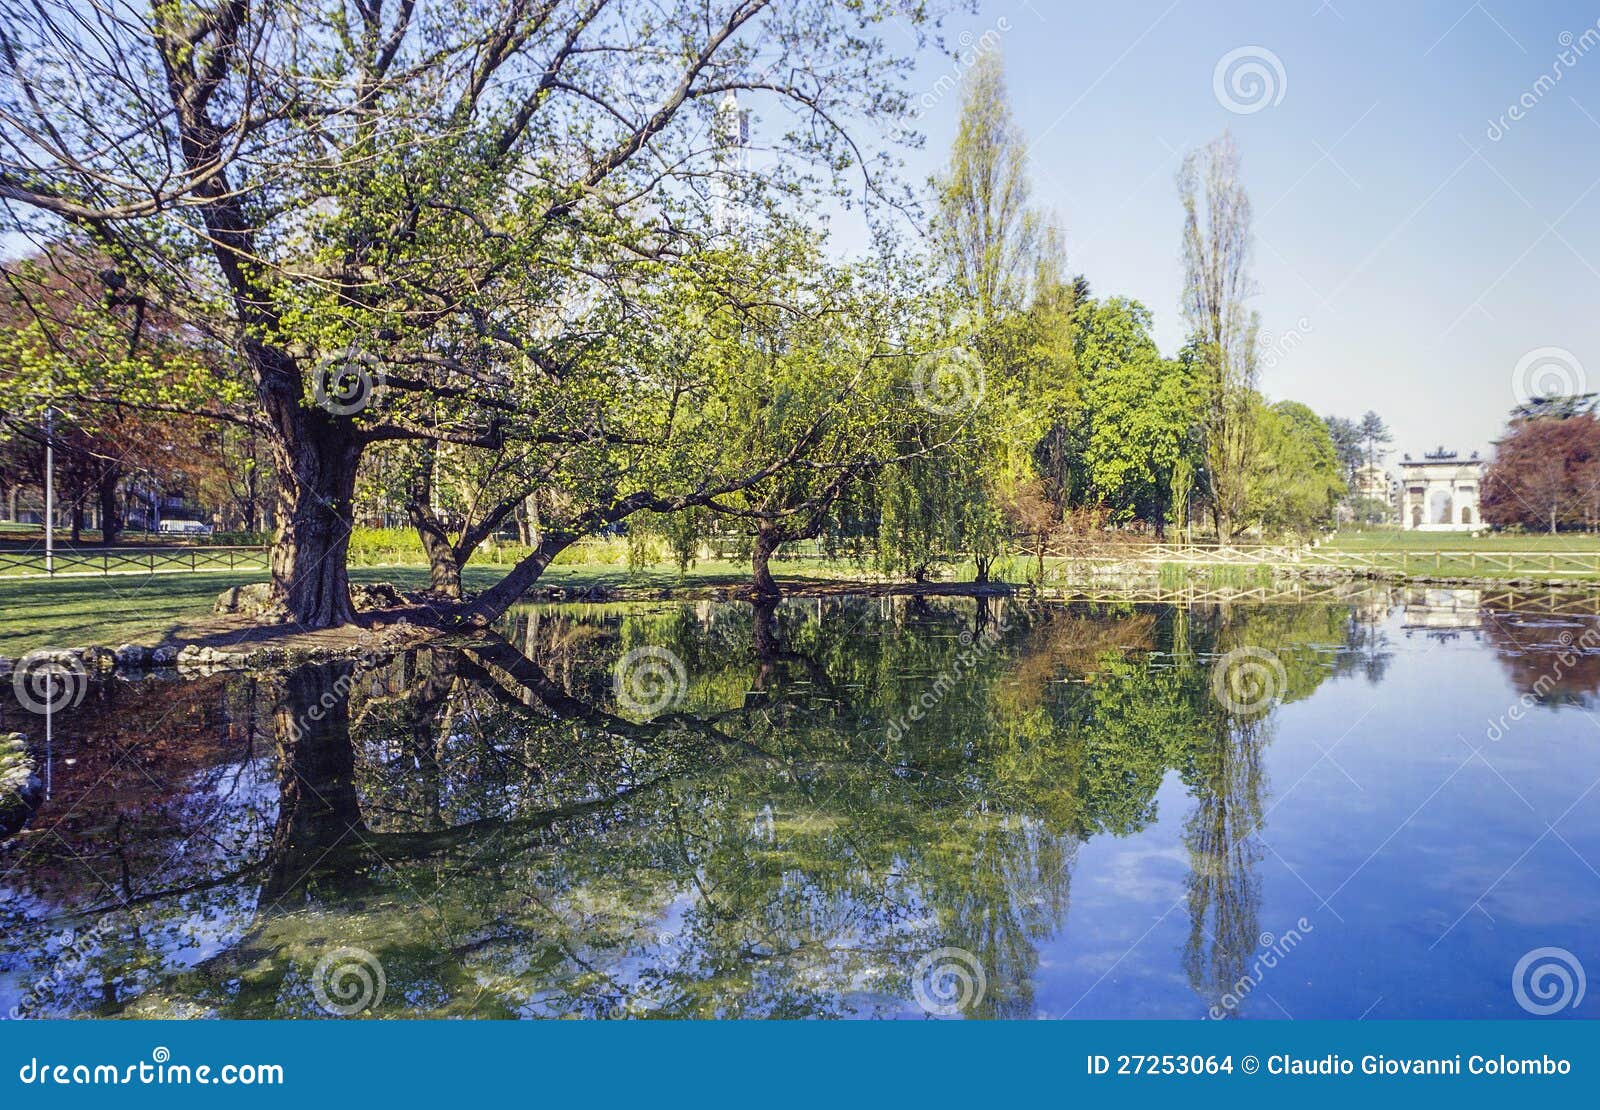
981, 562
77, 521
110, 518
767, 541
528, 521
444, 564
491, 605
765, 628
444, 567
1224, 527
318, 807
317, 455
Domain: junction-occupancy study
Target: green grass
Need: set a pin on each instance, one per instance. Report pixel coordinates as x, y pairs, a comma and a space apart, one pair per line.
75, 612
1396, 540
1461, 555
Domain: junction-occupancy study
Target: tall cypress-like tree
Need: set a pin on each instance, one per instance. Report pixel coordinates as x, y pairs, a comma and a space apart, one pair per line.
988, 233
1217, 282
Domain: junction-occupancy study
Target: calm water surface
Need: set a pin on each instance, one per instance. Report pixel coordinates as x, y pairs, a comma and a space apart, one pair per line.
848, 808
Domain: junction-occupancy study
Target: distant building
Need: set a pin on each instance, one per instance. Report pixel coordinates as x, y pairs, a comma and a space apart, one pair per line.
731, 155
1372, 486
1439, 492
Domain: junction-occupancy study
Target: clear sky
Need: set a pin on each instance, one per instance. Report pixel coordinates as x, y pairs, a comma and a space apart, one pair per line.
1415, 260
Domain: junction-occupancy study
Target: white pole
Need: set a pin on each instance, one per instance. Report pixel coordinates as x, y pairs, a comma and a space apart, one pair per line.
49, 491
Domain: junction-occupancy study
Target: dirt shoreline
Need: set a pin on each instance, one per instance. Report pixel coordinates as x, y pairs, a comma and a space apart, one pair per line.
227, 641
222, 640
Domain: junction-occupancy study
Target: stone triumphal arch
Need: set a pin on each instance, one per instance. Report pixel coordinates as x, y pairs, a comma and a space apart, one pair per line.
1439, 492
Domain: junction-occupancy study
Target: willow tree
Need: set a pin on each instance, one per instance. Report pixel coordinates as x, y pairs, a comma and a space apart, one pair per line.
1217, 282
402, 220
814, 363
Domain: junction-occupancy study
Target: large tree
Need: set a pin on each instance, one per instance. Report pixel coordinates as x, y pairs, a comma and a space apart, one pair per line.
985, 226
1217, 283
416, 223
1295, 478
1133, 431
1346, 436
1545, 473
806, 353
56, 339
1007, 270
1374, 436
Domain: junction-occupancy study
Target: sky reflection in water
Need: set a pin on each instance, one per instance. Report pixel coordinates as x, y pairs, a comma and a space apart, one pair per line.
1078, 825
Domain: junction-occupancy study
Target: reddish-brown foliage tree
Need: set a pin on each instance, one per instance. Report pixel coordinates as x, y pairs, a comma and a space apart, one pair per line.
1545, 474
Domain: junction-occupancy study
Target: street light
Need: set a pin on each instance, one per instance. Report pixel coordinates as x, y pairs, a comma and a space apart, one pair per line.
49, 491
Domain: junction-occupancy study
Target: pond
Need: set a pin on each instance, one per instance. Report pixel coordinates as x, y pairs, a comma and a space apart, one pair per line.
1383, 807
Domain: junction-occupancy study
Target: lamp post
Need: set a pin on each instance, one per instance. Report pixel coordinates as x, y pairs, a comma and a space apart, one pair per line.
49, 491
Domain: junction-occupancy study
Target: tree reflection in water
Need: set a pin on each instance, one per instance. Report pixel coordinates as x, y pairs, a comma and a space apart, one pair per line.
508, 840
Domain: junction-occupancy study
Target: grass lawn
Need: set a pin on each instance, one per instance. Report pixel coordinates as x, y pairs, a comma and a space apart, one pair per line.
1396, 540
1497, 556
75, 612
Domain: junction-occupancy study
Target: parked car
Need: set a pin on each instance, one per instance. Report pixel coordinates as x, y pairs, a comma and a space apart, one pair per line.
185, 527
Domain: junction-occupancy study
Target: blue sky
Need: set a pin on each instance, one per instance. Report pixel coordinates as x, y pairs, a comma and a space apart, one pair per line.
1414, 260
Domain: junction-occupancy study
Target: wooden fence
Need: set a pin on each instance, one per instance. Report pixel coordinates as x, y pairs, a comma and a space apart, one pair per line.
99, 562
1404, 561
